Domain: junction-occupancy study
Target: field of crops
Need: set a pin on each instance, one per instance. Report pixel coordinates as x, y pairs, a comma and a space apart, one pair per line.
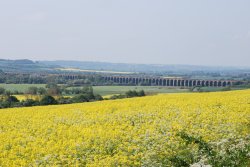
102, 90
180, 129
20, 87
111, 90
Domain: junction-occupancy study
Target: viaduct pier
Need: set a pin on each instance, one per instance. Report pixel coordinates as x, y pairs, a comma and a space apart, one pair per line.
174, 82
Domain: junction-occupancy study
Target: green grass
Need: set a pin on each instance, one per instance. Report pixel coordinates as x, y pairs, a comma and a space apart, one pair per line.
19, 87
102, 90
109, 90
216, 89
211, 89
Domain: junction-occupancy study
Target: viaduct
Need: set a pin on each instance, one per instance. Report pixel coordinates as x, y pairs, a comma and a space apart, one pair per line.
175, 82
150, 81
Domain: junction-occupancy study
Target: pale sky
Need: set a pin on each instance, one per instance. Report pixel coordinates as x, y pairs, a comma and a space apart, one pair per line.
198, 32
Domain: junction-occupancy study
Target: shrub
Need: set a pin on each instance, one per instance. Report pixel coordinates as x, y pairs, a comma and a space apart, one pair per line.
12, 99
117, 97
141, 93
98, 97
47, 100
32, 90
80, 98
29, 102
2, 91
131, 93
64, 100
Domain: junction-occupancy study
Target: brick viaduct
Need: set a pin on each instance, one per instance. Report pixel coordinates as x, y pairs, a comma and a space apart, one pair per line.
175, 82
152, 81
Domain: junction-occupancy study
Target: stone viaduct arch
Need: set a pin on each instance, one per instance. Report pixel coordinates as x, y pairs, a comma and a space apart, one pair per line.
167, 81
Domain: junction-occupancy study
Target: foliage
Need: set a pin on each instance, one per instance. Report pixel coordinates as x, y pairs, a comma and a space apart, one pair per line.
47, 100
32, 90
129, 94
41, 91
53, 89
2, 91
29, 102
80, 98
33, 97
8, 101
75, 91
64, 100
117, 97
98, 97
12, 99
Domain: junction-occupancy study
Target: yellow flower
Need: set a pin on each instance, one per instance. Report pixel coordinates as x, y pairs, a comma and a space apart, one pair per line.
126, 132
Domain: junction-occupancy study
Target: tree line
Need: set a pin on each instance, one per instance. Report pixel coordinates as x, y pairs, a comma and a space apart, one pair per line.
55, 94
129, 94
15, 78
51, 94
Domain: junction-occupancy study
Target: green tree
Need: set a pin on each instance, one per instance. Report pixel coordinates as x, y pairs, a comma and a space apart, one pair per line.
29, 102
131, 93
32, 90
141, 93
98, 97
41, 91
12, 99
2, 91
47, 100
80, 98
53, 89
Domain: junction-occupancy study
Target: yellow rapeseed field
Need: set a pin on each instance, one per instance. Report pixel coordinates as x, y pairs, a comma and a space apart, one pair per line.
163, 130
25, 97
34, 97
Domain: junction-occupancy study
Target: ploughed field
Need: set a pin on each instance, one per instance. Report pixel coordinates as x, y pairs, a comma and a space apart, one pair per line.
163, 130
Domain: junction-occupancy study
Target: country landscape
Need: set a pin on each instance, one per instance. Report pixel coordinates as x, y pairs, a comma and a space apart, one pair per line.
124, 83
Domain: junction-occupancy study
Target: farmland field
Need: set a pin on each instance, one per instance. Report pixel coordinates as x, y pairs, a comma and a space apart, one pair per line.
162, 130
102, 90
109, 90
20, 87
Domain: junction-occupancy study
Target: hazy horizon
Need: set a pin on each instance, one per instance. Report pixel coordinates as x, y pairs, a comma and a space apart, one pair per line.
215, 66
205, 33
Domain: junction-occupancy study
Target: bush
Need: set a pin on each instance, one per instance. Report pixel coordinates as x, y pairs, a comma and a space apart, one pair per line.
29, 102
4, 104
53, 89
12, 99
2, 91
131, 93
8, 101
32, 90
64, 100
98, 97
80, 98
117, 97
141, 93
86, 97
41, 91
47, 100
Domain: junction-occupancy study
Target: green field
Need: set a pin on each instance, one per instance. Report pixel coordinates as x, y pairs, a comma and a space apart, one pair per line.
19, 87
102, 90
216, 89
109, 90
